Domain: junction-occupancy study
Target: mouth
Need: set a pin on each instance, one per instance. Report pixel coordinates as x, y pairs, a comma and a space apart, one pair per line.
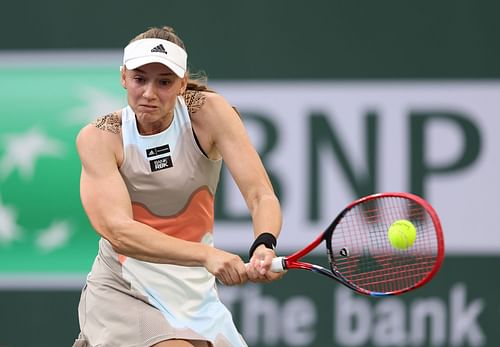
147, 108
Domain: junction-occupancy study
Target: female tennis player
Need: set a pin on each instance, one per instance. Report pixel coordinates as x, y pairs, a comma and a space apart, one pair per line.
149, 174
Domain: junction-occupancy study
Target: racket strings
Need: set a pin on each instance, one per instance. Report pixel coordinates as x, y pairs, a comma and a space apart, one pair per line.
372, 263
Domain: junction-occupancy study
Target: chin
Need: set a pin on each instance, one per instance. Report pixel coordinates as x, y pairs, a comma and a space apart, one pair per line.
147, 113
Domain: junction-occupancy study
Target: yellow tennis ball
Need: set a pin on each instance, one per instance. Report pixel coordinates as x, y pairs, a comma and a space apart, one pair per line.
402, 234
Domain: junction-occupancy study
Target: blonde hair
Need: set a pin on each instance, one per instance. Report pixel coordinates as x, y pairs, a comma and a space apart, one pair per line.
197, 81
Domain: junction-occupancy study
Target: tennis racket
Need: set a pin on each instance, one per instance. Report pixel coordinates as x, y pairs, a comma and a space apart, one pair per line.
359, 251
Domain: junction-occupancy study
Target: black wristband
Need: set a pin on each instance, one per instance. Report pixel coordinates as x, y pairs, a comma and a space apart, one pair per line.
266, 239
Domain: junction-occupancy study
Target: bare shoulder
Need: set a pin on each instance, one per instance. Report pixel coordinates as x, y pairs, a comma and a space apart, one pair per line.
194, 100
207, 104
213, 120
111, 122
101, 135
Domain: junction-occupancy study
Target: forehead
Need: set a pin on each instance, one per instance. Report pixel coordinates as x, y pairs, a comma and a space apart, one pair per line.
154, 69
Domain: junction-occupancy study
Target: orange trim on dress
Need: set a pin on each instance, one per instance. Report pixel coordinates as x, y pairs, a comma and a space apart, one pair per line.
191, 224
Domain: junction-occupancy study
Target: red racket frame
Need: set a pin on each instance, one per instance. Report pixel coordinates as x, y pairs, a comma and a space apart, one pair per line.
292, 261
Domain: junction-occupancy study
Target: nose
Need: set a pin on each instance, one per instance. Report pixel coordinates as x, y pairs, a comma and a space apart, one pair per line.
149, 91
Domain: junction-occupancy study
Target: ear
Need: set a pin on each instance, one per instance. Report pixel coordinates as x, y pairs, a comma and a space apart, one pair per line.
123, 80
184, 83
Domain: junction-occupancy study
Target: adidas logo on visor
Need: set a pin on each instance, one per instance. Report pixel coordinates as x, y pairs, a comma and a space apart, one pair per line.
159, 49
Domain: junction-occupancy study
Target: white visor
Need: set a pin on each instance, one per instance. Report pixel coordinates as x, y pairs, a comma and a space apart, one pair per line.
147, 51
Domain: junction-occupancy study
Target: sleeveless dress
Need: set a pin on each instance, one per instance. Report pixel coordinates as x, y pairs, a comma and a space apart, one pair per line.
128, 302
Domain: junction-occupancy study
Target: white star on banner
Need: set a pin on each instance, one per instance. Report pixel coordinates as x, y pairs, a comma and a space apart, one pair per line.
55, 236
97, 103
9, 230
23, 150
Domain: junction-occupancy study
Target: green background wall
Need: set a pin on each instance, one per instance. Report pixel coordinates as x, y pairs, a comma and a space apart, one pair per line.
266, 40
280, 39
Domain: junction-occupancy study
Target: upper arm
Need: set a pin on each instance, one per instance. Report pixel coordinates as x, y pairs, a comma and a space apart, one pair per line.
103, 193
233, 143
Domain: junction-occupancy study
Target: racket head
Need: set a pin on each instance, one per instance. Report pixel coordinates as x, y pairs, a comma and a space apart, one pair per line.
360, 253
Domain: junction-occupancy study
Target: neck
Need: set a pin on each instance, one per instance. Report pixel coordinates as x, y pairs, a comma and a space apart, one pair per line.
151, 127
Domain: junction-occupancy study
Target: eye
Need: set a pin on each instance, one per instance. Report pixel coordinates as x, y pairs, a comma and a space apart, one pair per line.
164, 82
139, 79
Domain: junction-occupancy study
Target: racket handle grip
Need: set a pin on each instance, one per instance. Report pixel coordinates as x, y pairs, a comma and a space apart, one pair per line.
278, 264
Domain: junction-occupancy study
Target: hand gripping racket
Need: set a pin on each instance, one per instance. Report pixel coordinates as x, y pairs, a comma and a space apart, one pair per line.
359, 251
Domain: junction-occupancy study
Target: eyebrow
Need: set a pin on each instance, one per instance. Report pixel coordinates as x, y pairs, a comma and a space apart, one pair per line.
162, 74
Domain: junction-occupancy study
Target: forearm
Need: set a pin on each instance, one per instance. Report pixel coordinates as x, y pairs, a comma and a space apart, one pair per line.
139, 241
266, 215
